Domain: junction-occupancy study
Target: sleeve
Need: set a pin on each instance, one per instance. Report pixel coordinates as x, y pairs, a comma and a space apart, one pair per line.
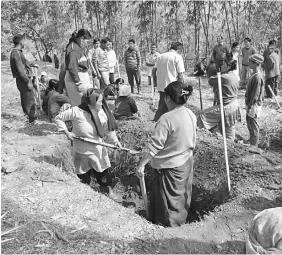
73, 66
67, 115
180, 64
255, 92
269, 63
157, 63
158, 138
63, 99
213, 82
138, 58
253, 51
20, 68
133, 105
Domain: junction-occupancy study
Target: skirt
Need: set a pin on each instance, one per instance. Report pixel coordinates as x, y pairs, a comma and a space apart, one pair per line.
75, 92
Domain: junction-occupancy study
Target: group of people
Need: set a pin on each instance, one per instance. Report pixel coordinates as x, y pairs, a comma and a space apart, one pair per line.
170, 156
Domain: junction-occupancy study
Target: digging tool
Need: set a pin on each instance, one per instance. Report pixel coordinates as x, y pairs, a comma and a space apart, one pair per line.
118, 69
200, 91
274, 96
38, 90
88, 140
223, 129
144, 195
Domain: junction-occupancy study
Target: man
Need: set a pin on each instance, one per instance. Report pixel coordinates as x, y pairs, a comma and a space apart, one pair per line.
151, 59
112, 61
271, 67
101, 64
247, 51
96, 45
211, 117
254, 98
220, 54
168, 68
21, 70
132, 61
267, 51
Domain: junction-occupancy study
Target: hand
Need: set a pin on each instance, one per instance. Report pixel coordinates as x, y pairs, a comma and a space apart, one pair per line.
70, 135
99, 76
30, 85
140, 171
77, 85
118, 144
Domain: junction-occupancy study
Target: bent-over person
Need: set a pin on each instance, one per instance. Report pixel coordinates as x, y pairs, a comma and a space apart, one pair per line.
91, 119
171, 157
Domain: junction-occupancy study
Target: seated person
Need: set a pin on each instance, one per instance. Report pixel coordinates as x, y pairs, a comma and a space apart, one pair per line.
200, 68
125, 105
118, 83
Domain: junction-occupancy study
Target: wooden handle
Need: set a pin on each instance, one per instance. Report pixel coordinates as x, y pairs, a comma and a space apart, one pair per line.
38, 89
144, 195
274, 96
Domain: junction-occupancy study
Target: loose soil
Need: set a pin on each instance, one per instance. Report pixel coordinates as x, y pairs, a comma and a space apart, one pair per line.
58, 214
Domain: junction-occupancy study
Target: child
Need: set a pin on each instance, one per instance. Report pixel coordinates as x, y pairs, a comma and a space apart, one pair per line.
254, 98
125, 105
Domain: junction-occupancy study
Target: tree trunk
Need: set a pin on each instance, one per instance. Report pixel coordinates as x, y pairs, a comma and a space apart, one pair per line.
227, 21
231, 11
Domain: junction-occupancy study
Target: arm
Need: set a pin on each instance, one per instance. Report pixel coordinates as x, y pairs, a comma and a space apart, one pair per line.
180, 68
255, 92
63, 99
133, 105
20, 68
73, 65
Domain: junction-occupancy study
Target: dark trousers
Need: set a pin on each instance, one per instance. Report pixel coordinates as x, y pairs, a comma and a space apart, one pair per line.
273, 83
253, 127
112, 78
162, 108
27, 100
150, 80
131, 75
86, 178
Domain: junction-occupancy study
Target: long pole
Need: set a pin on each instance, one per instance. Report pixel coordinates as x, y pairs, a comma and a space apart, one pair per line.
270, 89
200, 91
38, 91
223, 130
144, 195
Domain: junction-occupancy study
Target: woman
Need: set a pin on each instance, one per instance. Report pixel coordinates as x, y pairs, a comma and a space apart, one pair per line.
171, 157
91, 119
234, 55
211, 117
77, 79
96, 45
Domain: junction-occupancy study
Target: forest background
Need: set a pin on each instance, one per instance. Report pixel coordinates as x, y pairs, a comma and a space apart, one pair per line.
49, 24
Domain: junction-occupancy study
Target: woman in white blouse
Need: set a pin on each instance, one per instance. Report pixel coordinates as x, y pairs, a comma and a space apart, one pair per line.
91, 119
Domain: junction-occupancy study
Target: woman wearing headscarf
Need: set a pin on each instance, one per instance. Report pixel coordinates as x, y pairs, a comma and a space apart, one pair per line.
77, 79
170, 153
91, 119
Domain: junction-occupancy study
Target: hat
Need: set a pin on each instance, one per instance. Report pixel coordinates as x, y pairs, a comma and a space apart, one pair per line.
17, 38
257, 58
124, 90
43, 73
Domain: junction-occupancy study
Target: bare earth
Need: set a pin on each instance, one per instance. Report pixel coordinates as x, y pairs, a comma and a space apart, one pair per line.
58, 214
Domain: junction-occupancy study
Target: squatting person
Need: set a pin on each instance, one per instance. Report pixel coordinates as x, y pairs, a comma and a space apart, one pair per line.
91, 119
171, 157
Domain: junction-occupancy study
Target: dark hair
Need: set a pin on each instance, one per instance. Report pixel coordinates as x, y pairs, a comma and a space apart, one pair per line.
153, 44
221, 37
175, 46
178, 92
96, 40
105, 40
248, 39
53, 84
17, 39
131, 40
73, 36
232, 65
272, 42
234, 45
119, 80
83, 33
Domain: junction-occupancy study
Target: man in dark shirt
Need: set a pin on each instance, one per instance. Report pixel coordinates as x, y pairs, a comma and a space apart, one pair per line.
220, 54
21, 70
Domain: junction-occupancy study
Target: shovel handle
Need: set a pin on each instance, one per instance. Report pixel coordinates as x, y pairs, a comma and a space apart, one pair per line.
144, 195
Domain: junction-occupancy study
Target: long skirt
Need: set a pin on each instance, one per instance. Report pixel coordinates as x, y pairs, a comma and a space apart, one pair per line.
171, 193
75, 92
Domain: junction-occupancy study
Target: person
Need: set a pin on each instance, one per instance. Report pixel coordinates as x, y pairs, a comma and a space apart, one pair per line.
212, 74
247, 51
96, 45
168, 68
91, 119
267, 51
200, 68
272, 72
77, 78
101, 63
55, 100
21, 70
151, 59
125, 105
234, 55
118, 83
171, 158
265, 233
112, 58
254, 98
132, 61
220, 54
211, 117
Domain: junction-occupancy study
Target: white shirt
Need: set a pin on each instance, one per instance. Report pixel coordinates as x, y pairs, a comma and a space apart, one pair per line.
151, 59
168, 65
112, 60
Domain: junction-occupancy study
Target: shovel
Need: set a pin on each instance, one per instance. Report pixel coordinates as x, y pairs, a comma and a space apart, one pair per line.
88, 140
144, 195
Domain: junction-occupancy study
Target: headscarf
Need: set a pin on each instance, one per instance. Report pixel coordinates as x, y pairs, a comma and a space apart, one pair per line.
124, 90
90, 98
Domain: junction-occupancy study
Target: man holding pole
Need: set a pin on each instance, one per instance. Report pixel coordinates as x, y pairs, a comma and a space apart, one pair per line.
21, 70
